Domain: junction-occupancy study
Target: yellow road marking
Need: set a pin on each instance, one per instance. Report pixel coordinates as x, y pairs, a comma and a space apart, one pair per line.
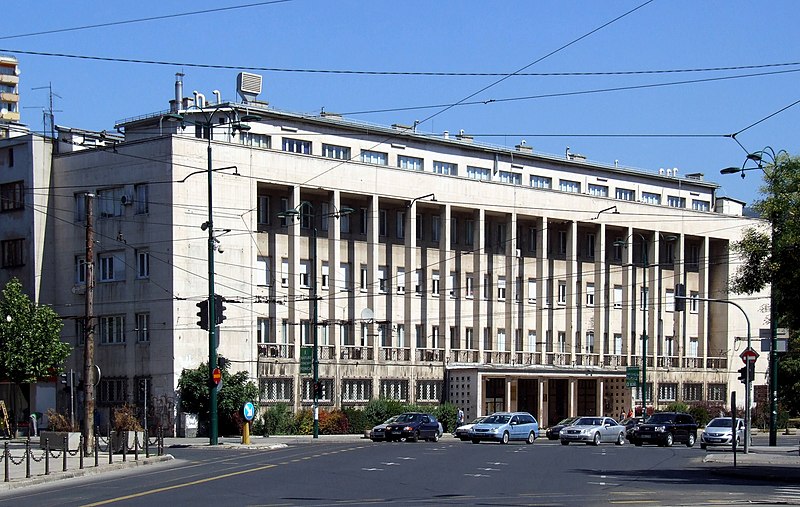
168, 488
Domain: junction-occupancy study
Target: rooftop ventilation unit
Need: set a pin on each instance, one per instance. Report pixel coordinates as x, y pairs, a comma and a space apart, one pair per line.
249, 86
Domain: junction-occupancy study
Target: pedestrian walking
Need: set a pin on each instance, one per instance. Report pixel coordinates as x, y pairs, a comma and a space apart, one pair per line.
459, 419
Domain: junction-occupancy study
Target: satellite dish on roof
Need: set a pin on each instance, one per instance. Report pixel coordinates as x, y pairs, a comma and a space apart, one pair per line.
367, 314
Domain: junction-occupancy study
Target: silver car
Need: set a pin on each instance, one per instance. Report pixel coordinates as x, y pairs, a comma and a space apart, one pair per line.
719, 432
593, 430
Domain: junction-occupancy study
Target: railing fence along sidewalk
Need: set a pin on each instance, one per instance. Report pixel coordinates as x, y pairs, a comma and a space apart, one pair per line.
101, 444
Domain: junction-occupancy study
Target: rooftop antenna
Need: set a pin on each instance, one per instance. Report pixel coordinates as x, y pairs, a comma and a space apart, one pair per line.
47, 114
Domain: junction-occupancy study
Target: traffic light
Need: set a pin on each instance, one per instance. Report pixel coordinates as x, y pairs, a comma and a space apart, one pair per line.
680, 297
222, 362
743, 374
203, 314
751, 370
317, 390
219, 309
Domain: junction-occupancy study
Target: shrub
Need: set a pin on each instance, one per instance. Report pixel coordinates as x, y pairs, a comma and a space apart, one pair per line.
705, 411
447, 413
381, 409
677, 407
276, 420
357, 420
333, 422
125, 419
59, 422
304, 422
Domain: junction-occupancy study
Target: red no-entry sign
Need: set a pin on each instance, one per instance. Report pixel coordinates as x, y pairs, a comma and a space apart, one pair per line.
749, 354
216, 376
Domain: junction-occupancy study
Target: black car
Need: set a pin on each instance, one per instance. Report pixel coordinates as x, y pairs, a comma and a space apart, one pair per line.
630, 424
413, 426
665, 428
554, 431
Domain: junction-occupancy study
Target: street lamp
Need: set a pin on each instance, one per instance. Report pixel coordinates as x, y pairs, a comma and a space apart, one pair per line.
624, 243
299, 212
208, 125
775, 160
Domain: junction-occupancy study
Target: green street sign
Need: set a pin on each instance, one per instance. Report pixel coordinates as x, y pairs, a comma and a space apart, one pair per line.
305, 360
632, 376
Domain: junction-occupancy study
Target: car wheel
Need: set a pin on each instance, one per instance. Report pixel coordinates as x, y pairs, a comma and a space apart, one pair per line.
505, 438
564, 442
476, 441
620, 439
435, 437
596, 439
668, 440
531, 438
690, 441
414, 437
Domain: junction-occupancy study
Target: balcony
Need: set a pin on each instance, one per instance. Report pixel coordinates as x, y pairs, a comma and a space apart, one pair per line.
356, 353
615, 361
495, 357
275, 350
463, 356
395, 354
669, 361
557, 358
430, 355
525, 358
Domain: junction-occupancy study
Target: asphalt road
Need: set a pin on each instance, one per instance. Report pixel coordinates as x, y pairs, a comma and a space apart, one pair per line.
449, 472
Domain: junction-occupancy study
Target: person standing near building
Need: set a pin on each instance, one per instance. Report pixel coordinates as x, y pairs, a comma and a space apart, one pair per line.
459, 419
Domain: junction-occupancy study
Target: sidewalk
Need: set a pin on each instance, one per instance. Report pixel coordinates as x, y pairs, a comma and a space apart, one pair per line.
764, 463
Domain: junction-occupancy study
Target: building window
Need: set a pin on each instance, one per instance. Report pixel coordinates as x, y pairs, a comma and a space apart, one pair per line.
445, 168
435, 227
693, 257
598, 190
80, 207
589, 345
561, 346
142, 264
364, 220
263, 210
651, 198
692, 392
617, 249
699, 205
501, 288
325, 397
296, 146
435, 284
80, 270
263, 274
400, 224
284, 207
305, 277
694, 345
255, 140
356, 390
676, 202
345, 279
569, 186
717, 392
453, 285
109, 202
337, 152
142, 199
469, 338
590, 245
617, 296
363, 279
617, 350
589, 294
401, 281
410, 163
454, 230
693, 301
112, 391
13, 253
394, 389
669, 300
374, 157
667, 392
12, 196
541, 182
325, 276
648, 388
510, 177
532, 291
112, 267
382, 221
429, 391
562, 293
479, 173
383, 279
469, 286
625, 194
276, 390
284, 272
420, 226
263, 334
562, 242
112, 329
142, 327
469, 232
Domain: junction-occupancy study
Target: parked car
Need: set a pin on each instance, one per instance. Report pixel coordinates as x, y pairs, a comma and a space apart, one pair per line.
462, 431
593, 430
378, 433
719, 432
552, 431
506, 426
413, 426
665, 428
630, 424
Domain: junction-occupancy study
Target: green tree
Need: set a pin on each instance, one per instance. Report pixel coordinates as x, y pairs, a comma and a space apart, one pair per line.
770, 256
237, 389
30, 345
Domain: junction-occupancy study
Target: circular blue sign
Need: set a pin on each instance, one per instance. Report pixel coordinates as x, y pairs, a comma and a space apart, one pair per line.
249, 410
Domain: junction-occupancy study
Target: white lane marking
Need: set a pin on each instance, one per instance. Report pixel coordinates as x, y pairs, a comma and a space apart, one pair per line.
372, 469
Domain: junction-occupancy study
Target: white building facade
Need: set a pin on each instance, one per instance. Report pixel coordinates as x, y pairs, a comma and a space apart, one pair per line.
446, 270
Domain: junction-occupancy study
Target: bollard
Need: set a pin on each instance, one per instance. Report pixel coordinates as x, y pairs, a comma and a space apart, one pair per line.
136, 446
6, 457
124, 445
28, 458
65, 450
46, 456
146, 444
80, 453
96, 450
110, 449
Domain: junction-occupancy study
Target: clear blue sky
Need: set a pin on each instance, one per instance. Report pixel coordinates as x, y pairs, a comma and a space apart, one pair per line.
466, 36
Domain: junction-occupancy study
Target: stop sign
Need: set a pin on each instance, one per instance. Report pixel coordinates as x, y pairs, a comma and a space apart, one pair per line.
216, 376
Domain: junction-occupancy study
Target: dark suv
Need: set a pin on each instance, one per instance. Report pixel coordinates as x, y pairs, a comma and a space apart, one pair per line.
665, 428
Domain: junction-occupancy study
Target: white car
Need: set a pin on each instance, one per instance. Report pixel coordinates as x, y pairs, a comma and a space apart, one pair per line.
719, 432
462, 432
593, 430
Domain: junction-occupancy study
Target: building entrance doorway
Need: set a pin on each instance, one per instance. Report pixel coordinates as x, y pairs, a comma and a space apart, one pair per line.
587, 397
495, 395
557, 400
528, 396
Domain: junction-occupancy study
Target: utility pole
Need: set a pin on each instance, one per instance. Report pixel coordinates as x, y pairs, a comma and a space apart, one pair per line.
88, 329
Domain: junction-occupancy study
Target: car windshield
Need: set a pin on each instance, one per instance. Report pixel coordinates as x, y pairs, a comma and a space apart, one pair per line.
497, 419
564, 422
720, 423
660, 419
589, 421
403, 418
477, 420
390, 420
